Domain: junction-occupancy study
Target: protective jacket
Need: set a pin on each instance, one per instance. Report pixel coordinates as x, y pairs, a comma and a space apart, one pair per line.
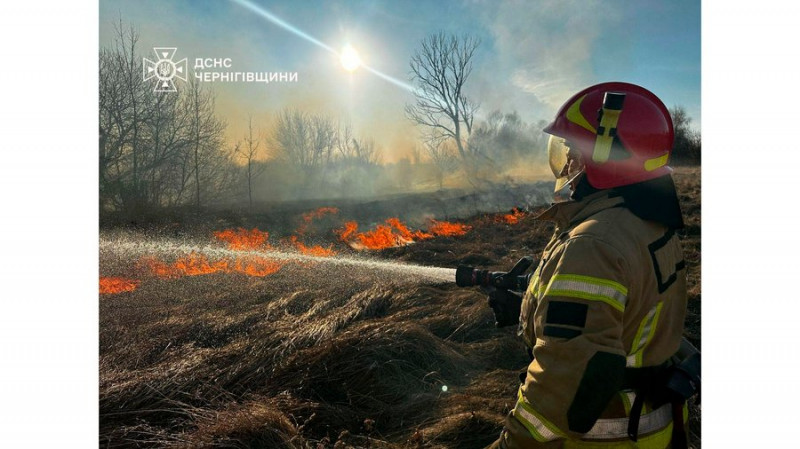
606, 303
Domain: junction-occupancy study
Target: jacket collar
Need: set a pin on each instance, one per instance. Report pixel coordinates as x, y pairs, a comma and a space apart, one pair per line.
572, 212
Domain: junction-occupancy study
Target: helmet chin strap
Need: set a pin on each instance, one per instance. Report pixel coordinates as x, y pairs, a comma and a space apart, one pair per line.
572, 182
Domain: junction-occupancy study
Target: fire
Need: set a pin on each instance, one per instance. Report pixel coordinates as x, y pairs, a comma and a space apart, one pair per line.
514, 217
349, 230
382, 237
113, 285
315, 250
395, 233
257, 266
445, 229
195, 264
405, 233
242, 239
308, 217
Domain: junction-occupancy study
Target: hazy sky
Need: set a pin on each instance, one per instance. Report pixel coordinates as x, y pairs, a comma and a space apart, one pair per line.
533, 54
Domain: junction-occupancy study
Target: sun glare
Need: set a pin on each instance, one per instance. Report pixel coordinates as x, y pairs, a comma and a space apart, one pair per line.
349, 58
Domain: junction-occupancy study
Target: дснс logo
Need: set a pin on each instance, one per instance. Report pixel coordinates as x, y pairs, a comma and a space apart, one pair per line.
164, 69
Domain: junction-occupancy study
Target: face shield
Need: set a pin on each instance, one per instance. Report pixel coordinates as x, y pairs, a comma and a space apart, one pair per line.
565, 163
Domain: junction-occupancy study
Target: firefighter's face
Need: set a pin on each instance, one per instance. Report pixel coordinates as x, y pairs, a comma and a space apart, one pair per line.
573, 166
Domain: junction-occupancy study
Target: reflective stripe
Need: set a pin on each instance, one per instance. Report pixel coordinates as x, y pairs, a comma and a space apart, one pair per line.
534, 287
613, 428
656, 162
604, 429
574, 115
587, 287
658, 440
540, 428
643, 336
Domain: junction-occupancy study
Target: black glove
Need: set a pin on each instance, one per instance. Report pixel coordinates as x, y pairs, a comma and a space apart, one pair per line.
506, 305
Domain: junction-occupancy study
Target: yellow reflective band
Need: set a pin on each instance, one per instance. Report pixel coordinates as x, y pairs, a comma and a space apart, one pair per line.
540, 428
643, 336
533, 285
587, 287
574, 115
602, 144
628, 396
656, 162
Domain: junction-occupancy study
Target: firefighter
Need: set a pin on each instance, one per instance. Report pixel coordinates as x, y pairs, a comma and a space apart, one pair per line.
604, 309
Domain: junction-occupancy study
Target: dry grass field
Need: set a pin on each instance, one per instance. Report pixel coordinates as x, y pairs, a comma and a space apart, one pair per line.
226, 349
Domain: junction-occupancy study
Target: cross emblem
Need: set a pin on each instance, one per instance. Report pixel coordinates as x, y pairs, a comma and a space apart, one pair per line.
164, 69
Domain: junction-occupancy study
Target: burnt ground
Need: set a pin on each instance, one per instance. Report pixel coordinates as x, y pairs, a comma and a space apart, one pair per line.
324, 356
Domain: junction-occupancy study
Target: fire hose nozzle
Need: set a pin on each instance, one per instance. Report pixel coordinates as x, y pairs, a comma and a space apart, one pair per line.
467, 276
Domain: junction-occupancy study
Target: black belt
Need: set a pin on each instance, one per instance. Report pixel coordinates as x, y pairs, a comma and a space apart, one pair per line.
650, 383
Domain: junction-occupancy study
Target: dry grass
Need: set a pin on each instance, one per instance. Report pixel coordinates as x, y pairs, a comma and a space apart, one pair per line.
314, 359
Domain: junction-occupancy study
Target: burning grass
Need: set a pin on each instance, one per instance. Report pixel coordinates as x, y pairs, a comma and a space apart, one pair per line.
309, 217
195, 264
114, 285
242, 239
325, 356
395, 233
315, 250
512, 218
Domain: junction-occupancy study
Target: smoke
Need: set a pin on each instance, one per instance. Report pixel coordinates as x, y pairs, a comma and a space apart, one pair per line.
545, 52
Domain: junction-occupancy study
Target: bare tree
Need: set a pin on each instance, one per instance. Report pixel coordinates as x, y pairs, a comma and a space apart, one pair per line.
154, 147
365, 152
306, 141
439, 70
250, 153
687, 143
443, 156
135, 91
206, 136
122, 110
353, 150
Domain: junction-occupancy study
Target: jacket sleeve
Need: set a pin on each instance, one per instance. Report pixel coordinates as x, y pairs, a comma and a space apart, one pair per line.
579, 357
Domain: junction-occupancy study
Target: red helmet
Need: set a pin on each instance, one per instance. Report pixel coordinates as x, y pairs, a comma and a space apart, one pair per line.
623, 131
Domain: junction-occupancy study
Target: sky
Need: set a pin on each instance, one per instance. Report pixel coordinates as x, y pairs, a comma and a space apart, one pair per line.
533, 55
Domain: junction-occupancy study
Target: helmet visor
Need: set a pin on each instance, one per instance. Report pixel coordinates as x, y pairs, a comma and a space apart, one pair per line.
558, 157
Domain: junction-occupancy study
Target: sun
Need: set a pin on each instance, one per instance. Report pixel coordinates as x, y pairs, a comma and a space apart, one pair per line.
349, 58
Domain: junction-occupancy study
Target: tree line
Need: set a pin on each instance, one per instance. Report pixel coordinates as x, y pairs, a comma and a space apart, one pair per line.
167, 150
157, 149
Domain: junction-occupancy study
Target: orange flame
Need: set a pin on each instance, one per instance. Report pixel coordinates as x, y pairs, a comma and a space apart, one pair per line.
257, 266
196, 264
446, 229
113, 285
405, 233
395, 233
242, 239
381, 237
315, 250
308, 217
514, 217
349, 230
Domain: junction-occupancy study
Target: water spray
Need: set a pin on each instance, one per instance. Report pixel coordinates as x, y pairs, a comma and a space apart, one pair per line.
130, 247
